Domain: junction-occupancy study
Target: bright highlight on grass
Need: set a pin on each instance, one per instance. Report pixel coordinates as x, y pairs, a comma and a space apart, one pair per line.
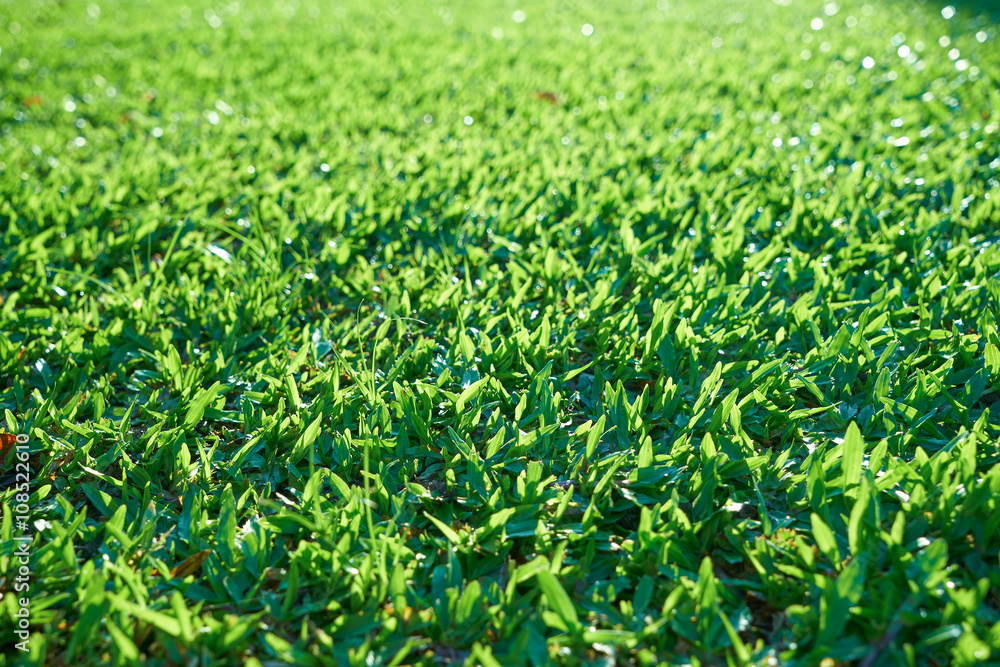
655, 333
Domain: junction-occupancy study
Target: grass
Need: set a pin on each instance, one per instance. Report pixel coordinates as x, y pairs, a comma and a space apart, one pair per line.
426, 334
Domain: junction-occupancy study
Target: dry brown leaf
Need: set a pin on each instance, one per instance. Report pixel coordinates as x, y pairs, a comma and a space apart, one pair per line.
188, 566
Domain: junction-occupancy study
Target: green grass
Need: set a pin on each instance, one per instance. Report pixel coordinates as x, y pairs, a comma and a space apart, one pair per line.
425, 335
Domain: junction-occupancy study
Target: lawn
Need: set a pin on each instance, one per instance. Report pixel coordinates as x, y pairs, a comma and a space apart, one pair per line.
655, 333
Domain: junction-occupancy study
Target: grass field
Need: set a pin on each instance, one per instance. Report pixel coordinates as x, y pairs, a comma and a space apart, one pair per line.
424, 334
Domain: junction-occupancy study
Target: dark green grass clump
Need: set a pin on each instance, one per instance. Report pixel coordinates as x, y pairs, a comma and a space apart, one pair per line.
659, 334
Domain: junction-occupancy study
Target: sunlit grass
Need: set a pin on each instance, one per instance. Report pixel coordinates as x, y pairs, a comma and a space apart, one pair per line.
663, 333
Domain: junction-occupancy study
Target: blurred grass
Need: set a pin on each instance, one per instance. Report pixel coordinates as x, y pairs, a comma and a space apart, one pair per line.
660, 333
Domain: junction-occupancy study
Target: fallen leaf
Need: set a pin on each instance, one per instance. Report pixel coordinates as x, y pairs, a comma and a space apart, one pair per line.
188, 566
7, 442
547, 96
